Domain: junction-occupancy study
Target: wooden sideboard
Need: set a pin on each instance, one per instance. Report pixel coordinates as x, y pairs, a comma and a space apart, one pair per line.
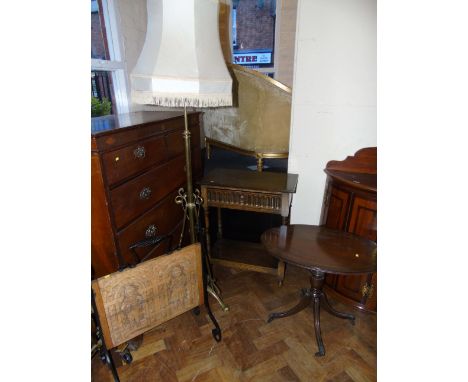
350, 204
137, 167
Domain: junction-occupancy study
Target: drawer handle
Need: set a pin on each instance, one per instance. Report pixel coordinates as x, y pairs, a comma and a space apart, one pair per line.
151, 231
367, 290
145, 193
139, 152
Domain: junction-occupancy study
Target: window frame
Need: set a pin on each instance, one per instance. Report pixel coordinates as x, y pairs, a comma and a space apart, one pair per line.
115, 65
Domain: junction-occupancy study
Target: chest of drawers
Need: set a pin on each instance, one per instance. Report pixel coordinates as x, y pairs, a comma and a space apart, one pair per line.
137, 167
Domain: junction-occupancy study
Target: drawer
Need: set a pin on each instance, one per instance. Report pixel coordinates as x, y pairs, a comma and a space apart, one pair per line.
122, 163
160, 220
123, 134
133, 198
176, 143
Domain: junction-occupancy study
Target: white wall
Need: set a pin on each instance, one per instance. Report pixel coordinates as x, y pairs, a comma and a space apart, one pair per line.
334, 94
285, 35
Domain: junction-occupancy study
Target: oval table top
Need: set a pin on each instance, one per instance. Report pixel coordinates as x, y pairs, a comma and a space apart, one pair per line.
321, 248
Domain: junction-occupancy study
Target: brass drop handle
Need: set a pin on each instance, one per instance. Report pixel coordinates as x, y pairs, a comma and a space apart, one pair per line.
150, 230
145, 193
367, 290
139, 152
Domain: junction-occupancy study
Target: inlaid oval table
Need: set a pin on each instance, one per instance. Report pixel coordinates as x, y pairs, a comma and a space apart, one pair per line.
320, 250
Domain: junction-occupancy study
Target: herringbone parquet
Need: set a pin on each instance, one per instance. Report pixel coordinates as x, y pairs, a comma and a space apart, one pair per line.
252, 350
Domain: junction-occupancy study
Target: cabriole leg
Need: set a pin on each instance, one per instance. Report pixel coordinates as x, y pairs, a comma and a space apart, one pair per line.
301, 305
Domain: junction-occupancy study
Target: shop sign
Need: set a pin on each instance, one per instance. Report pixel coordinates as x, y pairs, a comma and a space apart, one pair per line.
252, 58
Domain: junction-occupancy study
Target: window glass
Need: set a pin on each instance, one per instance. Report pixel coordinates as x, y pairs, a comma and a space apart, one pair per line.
253, 31
101, 88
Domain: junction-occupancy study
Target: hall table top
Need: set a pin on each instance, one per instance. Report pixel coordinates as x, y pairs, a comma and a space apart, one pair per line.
251, 180
321, 248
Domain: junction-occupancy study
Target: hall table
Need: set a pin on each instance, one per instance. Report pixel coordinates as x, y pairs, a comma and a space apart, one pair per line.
320, 250
243, 190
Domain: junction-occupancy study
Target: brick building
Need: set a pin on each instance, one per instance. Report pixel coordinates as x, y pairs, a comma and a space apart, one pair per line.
97, 41
254, 32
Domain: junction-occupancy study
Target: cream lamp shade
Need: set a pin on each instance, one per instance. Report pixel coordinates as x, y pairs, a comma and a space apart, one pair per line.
181, 63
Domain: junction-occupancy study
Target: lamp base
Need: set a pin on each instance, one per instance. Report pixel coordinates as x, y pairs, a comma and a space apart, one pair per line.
182, 199
212, 290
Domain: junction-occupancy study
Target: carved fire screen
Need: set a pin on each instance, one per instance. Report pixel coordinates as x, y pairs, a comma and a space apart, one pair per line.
138, 299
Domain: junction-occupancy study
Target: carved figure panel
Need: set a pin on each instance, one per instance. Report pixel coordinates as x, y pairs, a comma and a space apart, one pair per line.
138, 299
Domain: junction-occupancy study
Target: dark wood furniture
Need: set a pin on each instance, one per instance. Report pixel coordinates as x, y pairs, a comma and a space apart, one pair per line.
265, 192
350, 204
137, 166
320, 250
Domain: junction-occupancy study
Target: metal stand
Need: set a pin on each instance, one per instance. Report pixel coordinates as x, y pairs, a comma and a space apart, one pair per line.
216, 332
191, 202
104, 353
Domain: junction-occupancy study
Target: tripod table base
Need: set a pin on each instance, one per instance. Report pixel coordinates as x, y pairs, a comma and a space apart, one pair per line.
314, 296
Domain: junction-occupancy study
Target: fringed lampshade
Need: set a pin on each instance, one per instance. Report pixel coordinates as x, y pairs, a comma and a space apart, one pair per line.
181, 63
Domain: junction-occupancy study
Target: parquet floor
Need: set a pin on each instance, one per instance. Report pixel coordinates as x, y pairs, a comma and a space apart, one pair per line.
252, 350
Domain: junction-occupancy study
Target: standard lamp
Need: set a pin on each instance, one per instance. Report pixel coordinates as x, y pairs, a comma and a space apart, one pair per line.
182, 65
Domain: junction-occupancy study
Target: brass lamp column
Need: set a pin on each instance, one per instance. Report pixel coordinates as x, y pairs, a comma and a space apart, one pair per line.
188, 170
181, 64
189, 201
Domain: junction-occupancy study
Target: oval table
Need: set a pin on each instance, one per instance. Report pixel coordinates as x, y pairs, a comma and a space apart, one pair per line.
320, 250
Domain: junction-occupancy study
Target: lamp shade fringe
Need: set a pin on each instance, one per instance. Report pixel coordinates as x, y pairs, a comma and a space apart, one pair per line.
181, 100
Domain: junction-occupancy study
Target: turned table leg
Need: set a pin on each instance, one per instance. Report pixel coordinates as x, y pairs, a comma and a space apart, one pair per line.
316, 282
318, 333
281, 269
207, 229
220, 224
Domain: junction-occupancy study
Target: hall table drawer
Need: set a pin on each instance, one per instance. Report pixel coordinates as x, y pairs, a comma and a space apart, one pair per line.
247, 200
160, 220
133, 198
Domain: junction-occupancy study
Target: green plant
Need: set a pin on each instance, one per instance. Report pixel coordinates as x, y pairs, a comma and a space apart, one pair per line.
100, 108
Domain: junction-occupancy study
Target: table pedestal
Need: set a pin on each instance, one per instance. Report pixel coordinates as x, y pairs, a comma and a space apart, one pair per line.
314, 296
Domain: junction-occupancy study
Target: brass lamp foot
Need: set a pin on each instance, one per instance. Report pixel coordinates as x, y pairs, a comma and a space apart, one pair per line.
211, 291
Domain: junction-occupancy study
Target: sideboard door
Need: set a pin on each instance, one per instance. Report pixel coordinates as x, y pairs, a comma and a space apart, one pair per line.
363, 219
363, 222
338, 206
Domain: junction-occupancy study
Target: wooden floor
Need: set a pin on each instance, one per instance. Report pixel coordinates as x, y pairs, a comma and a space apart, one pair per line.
252, 350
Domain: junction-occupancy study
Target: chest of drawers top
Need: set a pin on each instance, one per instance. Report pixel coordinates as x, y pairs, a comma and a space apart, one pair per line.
113, 131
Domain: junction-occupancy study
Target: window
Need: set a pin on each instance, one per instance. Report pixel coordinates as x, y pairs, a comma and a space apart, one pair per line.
253, 34
108, 78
